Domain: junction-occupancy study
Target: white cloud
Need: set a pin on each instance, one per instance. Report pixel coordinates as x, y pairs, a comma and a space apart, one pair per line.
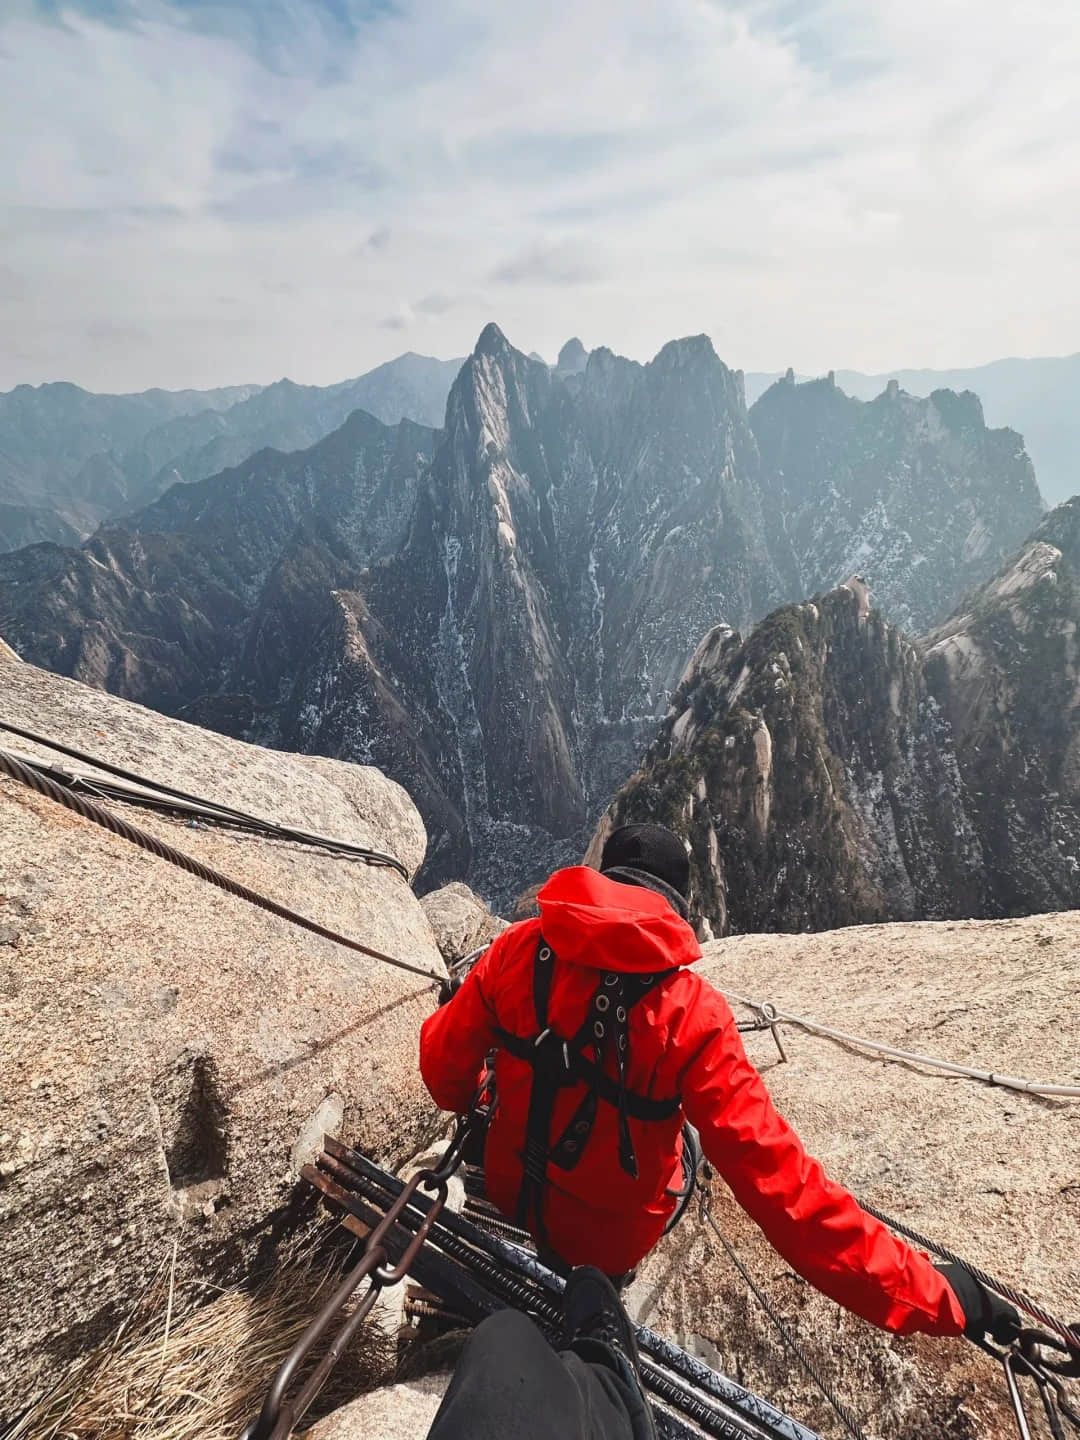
816, 182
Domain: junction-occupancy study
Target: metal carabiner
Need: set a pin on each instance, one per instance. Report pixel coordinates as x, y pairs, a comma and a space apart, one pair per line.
1023, 1359
1049, 1376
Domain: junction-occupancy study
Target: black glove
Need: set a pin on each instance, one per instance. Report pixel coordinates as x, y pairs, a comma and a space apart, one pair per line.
984, 1312
449, 988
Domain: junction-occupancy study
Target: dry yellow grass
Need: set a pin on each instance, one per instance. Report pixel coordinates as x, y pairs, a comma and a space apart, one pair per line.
189, 1368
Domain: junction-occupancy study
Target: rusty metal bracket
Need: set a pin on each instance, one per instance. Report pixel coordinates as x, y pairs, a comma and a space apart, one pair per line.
280, 1414
767, 1018
772, 1019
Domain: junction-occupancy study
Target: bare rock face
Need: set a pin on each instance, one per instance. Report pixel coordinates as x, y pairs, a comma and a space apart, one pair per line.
991, 1173
811, 777
461, 921
573, 357
172, 1055
1005, 672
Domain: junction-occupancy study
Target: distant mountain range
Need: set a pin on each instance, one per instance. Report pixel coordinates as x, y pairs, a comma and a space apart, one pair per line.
1040, 398
497, 612
70, 459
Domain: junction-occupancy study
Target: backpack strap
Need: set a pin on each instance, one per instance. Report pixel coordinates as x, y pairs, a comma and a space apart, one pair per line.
547, 1080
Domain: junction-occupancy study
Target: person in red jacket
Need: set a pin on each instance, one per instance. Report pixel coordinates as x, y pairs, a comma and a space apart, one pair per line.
604, 1042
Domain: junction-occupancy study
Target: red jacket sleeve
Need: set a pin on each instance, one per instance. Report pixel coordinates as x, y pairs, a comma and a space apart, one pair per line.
455, 1040
815, 1224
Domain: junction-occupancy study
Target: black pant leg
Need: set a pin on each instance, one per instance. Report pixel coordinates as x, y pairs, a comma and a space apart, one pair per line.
511, 1385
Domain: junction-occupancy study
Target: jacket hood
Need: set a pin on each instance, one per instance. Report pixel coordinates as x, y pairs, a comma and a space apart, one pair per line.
592, 920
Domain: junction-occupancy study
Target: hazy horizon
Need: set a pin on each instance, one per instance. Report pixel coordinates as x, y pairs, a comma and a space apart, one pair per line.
776, 370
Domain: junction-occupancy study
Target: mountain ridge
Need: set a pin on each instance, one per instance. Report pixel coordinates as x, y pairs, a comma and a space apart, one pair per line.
497, 612
119, 453
1038, 395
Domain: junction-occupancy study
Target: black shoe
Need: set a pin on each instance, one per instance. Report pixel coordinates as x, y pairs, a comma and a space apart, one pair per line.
595, 1317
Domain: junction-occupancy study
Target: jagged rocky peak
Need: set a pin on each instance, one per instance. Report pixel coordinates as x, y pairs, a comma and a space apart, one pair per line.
573, 357
747, 767
1062, 528
572, 540
706, 659
694, 386
959, 411
917, 494
686, 350
491, 341
492, 392
1044, 569
500, 612
828, 771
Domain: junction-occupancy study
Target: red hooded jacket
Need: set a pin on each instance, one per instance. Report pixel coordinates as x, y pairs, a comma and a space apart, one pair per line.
683, 1041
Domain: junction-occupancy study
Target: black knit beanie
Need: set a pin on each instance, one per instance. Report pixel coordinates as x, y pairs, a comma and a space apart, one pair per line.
652, 856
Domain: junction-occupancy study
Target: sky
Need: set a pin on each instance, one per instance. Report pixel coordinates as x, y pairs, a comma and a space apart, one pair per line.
208, 192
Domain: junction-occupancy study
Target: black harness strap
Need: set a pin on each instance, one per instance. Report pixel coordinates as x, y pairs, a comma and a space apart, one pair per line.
557, 1063
606, 1028
546, 1083
583, 1071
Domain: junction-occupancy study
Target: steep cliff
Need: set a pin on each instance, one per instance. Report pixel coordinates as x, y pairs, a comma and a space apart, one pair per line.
1040, 397
566, 546
1005, 672
827, 771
